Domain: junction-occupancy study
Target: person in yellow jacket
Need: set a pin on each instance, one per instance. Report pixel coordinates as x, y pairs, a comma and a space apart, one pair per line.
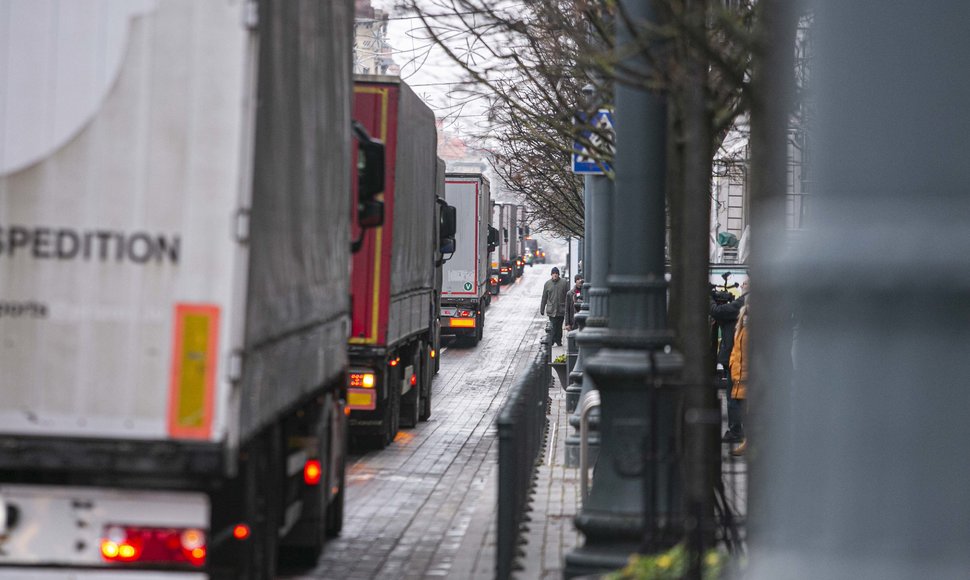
739, 367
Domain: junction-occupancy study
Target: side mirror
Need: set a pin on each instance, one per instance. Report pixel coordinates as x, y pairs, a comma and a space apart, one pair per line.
370, 163
370, 214
447, 246
492, 238
448, 225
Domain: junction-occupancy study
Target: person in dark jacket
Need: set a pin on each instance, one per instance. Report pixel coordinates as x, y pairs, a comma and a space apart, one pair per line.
726, 317
573, 298
554, 303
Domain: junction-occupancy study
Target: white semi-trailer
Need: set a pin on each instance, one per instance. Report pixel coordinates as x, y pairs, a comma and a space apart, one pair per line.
464, 290
174, 246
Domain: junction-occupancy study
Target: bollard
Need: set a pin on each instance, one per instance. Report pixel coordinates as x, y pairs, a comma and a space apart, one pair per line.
571, 351
575, 373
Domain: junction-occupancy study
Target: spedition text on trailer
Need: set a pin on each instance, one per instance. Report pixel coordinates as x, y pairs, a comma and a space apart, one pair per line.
51, 243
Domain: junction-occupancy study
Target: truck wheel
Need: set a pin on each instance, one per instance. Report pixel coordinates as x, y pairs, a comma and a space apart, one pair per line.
263, 470
302, 546
427, 375
411, 402
392, 415
477, 333
437, 363
335, 511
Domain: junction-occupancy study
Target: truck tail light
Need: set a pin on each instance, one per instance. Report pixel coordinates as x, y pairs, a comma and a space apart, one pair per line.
434, 353
414, 380
144, 545
241, 532
312, 472
394, 362
465, 313
365, 380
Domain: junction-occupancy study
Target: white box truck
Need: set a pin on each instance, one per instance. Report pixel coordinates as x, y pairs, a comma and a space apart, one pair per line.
174, 246
465, 285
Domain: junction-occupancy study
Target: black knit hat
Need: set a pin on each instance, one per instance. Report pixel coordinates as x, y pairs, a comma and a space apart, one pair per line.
555, 270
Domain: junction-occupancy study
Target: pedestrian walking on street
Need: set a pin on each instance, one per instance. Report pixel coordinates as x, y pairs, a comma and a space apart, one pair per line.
725, 312
554, 304
573, 298
739, 368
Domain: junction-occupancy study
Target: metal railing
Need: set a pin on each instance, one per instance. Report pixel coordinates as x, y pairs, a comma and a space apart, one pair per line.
521, 426
589, 402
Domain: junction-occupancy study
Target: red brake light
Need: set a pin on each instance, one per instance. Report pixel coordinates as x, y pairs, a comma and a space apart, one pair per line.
394, 362
153, 545
240, 532
414, 380
312, 472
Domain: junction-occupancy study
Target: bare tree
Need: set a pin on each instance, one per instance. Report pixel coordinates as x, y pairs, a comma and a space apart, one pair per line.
531, 61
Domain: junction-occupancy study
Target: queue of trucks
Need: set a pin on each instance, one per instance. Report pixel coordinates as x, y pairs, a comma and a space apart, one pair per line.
185, 357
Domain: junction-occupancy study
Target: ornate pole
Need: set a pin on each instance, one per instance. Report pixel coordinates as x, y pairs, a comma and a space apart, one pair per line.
634, 493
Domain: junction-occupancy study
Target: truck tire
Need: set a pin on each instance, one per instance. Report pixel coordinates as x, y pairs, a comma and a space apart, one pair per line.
335, 511
392, 414
303, 545
480, 327
476, 335
436, 359
411, 402
427, 376
262, 475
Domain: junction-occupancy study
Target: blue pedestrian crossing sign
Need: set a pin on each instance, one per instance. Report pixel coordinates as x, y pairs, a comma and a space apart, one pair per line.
601, 140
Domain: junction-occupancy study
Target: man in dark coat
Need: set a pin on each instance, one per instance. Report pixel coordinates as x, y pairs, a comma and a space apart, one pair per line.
554, 303
725, 315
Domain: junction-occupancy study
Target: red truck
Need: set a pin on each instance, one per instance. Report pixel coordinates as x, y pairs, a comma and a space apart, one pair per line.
395, 274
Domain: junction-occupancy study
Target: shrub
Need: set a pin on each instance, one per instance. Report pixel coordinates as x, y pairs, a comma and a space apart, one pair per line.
670, 565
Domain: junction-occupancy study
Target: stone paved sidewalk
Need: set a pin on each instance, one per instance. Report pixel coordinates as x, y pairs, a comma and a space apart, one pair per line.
550, 534
556, 502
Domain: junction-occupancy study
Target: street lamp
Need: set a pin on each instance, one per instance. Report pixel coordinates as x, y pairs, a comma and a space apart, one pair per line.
634, 499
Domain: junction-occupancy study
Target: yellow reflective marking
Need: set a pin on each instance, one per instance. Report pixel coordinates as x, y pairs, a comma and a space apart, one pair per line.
192, 378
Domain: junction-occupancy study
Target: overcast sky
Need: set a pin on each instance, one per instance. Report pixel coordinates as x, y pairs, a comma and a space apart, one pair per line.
428, 70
